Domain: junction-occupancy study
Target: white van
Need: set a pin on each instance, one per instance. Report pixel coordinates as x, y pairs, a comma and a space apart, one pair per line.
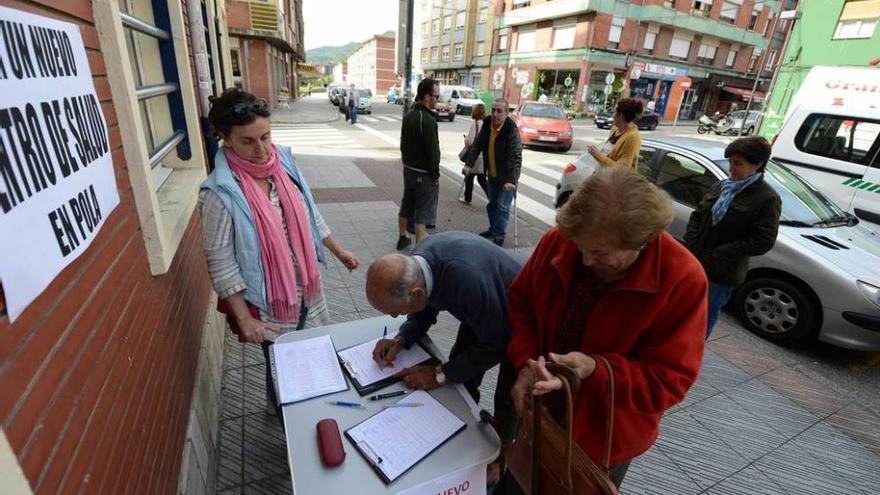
462, 98
831, 137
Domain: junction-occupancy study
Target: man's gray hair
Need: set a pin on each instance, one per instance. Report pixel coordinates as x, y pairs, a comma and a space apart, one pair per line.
506, 103
400, 290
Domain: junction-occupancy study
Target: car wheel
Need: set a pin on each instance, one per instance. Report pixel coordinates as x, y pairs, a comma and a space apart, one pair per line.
565, 148
778, 310
702, 130
750, 130
451, 117
653, 126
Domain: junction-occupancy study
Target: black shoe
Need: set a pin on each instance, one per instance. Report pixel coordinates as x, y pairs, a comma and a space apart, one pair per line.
487, 234
499, 242
402, 242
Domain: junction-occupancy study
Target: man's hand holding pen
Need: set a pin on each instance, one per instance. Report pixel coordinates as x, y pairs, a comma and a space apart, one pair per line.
386, 350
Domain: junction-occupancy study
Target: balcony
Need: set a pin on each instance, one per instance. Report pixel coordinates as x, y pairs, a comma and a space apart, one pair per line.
545, 11
262, 19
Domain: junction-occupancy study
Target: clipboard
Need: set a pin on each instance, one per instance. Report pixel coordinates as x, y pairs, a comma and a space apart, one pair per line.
373, 455
362, 389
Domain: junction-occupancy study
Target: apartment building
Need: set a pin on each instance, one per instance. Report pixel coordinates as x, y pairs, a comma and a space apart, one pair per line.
830, 32
372, 65
585, 54
456, 39
266, 40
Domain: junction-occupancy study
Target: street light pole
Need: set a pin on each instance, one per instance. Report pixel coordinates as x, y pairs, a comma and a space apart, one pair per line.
759, 70
407, 64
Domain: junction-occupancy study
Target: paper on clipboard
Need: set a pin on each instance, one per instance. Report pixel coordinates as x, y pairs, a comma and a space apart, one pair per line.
359, 360
306, 368
396, 439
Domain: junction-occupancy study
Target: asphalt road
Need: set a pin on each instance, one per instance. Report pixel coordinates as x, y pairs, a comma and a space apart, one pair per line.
855, 375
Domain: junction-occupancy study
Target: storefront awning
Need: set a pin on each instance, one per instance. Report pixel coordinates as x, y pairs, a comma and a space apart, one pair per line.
745, 93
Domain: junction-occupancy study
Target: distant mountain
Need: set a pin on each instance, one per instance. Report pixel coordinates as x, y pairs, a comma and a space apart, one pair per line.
330, 54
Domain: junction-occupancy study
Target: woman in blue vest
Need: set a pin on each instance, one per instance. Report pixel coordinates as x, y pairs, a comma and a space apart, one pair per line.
263, 234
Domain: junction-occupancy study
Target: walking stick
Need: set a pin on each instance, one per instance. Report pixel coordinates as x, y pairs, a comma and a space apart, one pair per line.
515, 230
455, 205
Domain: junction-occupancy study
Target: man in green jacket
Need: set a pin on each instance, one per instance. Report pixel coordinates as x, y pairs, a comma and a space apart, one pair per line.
420, 153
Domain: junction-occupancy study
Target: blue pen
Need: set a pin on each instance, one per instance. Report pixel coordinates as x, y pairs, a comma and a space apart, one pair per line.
345, 404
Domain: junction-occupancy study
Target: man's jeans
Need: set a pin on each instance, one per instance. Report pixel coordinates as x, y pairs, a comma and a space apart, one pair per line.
498, 208
718, 297
353, 114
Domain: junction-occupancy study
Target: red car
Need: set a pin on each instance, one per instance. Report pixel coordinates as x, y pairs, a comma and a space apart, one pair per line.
543, 124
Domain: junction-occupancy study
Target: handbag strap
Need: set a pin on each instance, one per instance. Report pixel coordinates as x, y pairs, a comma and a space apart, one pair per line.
609, 424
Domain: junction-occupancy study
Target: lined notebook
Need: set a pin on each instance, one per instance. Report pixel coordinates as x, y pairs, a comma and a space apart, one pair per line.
396, 439
305, 369
368, 376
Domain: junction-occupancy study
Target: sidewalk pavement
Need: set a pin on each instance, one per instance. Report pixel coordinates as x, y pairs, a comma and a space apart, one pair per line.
314, 109
749, 425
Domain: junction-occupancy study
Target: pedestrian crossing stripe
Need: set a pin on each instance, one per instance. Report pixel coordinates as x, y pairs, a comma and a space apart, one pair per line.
864, 185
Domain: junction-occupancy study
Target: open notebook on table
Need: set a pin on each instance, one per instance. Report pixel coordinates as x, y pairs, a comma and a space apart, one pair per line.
304, 369
367, 376
396, 439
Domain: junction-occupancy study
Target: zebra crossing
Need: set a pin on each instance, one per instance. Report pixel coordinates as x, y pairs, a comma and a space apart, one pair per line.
372, 119
316, 139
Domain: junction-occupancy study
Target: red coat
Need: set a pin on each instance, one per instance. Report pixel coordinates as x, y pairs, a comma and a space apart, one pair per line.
651, 326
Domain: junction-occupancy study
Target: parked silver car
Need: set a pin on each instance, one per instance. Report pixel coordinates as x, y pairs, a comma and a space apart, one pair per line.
821, 279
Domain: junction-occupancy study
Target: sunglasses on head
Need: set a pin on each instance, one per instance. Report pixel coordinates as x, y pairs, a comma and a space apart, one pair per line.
241, 109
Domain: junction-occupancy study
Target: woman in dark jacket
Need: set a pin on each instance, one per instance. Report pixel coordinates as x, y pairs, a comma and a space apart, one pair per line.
736, 219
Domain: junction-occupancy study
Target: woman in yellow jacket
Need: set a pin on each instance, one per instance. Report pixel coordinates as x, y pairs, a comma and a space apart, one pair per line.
622, 145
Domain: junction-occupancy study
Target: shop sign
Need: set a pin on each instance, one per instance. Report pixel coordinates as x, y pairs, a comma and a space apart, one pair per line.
568, 82
663, 70
685, 83
522, 77
498, 78
609, 79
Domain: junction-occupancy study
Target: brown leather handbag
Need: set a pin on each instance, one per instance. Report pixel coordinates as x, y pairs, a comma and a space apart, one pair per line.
544, 459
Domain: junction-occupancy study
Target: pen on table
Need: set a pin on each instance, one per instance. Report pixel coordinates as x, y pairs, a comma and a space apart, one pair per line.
345, 404
406, 404
388, 395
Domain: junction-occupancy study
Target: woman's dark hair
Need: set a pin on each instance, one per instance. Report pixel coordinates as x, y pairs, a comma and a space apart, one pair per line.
630, 108
235, 107
753, 149
479, 112
426, 86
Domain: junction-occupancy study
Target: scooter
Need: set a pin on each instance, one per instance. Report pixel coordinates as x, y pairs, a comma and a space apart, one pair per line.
719, 124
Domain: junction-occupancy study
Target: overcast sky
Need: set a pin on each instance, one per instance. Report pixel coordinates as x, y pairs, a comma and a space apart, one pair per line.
337, 22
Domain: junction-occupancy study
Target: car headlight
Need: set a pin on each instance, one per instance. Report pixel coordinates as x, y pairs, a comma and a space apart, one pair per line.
872, 292
530, 130
565, 133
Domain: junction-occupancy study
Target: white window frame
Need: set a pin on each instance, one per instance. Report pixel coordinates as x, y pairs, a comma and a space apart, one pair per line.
435, 26
707, 52
457, 52
502, 42
164, 212
855, 29
564, 36
481, 48
460, 19
424, 55
726, 7
484, 15
673, 50
615, 32
731, 58
434, 54
444, 54
447, 24
525, 40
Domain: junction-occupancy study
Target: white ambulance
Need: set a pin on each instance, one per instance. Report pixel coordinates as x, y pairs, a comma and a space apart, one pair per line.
831, 137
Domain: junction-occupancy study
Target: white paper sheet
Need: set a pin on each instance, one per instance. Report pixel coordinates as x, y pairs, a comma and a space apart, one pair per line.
399, 437
306, 369
360, 361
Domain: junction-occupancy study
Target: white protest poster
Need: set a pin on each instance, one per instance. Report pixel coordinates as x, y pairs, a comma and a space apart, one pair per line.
468, 481
57, 183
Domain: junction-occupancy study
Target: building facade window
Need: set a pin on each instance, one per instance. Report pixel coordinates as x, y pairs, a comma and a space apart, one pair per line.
484, 15
650, 39
858, 20
616, 31
481, 48
525, 41
706, 55
754, 60
424, 55
563, 36
729, 11
445, 55
435, 26
433, 54
756, 13
701, 7
679, 48
456, 52
447, 24
460, 18
519, 4
731, 58
425, 27
502, 43
669, 4
771, 59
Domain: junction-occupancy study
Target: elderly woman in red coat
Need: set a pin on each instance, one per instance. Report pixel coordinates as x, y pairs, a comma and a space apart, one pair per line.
609, 281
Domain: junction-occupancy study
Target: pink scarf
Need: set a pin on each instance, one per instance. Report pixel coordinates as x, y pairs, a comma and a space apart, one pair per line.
281, 278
